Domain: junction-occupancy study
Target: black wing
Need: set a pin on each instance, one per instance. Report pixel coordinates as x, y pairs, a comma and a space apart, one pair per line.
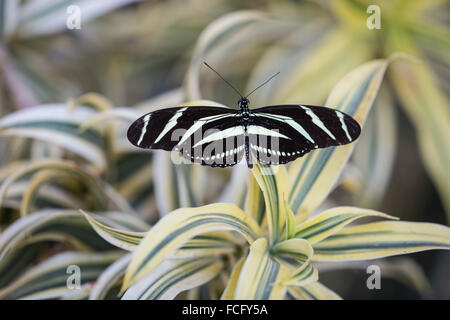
209, 136
283, 133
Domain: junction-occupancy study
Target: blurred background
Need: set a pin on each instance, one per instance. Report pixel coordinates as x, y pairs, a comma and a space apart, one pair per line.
121, 58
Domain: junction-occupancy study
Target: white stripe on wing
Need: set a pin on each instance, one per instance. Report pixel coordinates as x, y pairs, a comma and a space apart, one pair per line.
144, 129
343, 125
289, 121
316, 120
170, 124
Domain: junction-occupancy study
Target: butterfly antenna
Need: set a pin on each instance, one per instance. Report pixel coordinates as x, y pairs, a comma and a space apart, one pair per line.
247, 95
223, 79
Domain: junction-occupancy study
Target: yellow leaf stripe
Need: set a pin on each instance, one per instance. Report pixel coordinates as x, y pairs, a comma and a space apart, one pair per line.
299, 249
109, 278
375, 152
381, 239
304, 275
126, 240
30, 194
172, 231
426, 105
52, 274
290, 223
228, 293
174, 276
254, 205
221, 29
302, 251
56, 124
206, 244
333, 220
273, 183
96, 188
261, 275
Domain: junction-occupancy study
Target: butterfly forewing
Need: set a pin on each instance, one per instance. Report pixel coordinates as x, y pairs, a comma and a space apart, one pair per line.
206, 135
283, 133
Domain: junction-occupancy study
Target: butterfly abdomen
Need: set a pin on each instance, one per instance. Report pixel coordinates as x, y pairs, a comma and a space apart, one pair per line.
247, 153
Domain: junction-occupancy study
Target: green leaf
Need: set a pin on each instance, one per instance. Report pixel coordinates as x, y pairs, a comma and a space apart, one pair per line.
236, 189
382, 239
174, 276
31, 193
212, 243
230, 289
273, 183
375, 152
172, 231
56, 124
303, 276
298, 249
109, 277
331, 221
64, 226
313, 75
261, 275
8, 17
427, 107
220, 29
127, 240
302, 251
49, 195
18, 232
117, 114
254, 205
94, 185
50, 278
313, 176
206, 244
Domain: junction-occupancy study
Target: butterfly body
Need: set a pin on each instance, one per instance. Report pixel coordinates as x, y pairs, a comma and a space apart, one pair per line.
221, 137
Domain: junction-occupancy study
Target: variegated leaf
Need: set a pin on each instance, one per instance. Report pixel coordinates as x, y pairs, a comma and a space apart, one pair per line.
175, 229
382, 239
261, 275
331, 221
174, 276
313, 179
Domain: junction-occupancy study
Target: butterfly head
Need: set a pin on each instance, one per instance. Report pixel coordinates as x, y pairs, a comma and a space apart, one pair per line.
243, 103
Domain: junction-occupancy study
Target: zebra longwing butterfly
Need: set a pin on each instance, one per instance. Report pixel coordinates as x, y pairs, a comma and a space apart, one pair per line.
220, 137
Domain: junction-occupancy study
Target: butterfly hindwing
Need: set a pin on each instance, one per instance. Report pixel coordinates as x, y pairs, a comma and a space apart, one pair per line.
284, 133
220, 144
207, 135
